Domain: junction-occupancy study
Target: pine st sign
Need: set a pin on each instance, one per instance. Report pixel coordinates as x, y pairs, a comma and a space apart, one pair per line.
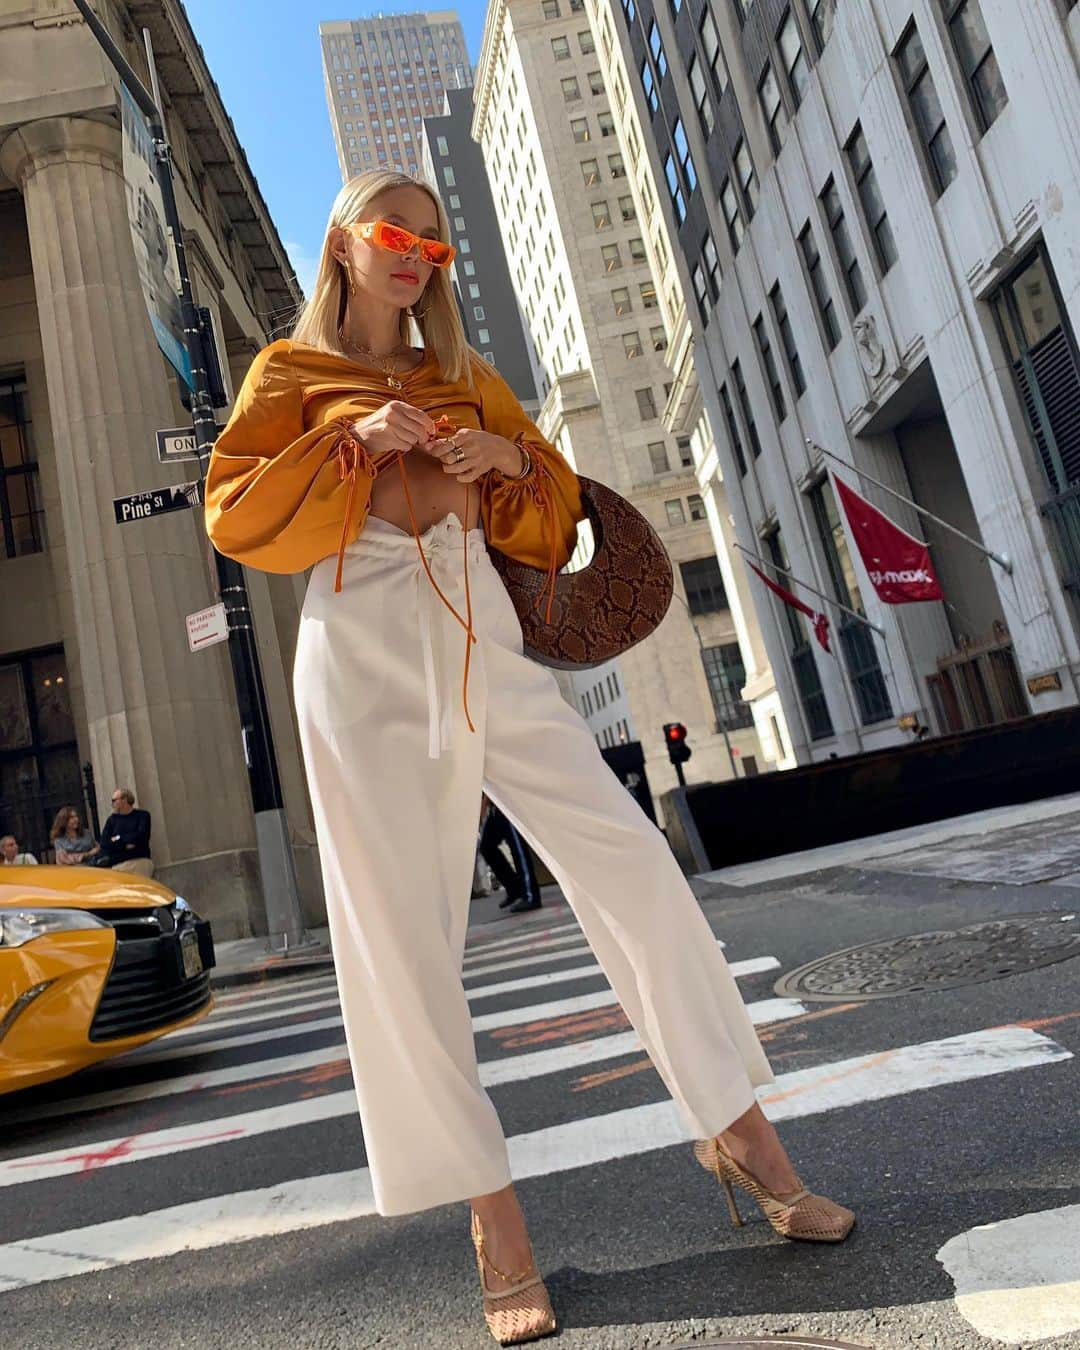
143, 505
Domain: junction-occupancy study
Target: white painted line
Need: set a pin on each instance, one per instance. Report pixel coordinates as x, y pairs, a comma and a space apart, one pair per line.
240, 1019
524, 947
1018, 1280
537, 933
311, 1202
189, 1050
520, 962
262, 995
753, 967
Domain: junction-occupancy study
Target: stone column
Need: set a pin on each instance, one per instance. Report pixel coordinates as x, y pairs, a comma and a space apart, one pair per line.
160, 719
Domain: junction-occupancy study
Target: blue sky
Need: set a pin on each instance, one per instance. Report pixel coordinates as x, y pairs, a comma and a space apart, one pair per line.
264, 55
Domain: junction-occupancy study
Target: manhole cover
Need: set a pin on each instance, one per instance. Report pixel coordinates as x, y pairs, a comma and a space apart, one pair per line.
925, 962
763, 1342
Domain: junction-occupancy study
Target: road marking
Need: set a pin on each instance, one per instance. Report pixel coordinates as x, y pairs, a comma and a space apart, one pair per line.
274, 993
478, 950
519, 962
249, 1019
604, 998
493, 1073
234, 1042
311, 1202
1018, 1280
739, 968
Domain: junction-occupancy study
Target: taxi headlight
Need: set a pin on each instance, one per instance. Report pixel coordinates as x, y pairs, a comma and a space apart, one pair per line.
23, 925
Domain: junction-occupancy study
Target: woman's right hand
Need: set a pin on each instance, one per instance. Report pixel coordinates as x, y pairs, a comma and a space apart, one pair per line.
396, 426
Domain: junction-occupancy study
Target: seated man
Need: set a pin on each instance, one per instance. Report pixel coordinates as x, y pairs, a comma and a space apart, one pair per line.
125, 836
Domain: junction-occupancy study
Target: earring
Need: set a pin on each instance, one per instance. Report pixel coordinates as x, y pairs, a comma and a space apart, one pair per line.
417, 313
349, 279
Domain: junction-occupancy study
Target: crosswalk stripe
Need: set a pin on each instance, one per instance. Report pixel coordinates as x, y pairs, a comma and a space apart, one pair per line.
283, 993
520, 962
188, 1050
604, 998
248, 1019
493, 1073
311, 1202
532, 943
753, 967
524, 934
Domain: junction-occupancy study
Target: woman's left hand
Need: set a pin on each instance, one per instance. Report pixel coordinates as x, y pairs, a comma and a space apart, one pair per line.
468, 454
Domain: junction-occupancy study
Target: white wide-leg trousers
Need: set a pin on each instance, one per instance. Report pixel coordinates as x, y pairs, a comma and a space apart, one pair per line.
396, 778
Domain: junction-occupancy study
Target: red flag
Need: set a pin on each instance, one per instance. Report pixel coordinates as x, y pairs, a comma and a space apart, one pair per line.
818, 619
897, 563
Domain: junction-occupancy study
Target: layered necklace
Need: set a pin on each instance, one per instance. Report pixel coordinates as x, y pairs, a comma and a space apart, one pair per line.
385, 362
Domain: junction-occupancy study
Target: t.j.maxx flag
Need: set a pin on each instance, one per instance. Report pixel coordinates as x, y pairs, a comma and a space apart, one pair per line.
897, 563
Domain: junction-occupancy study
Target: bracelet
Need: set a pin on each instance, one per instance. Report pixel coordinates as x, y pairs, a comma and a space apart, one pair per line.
516, 477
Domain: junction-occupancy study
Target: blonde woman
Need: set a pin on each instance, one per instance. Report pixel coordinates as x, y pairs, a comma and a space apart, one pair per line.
387, 468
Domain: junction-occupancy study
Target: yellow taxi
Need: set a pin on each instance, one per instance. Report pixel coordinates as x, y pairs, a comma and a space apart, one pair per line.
92, 962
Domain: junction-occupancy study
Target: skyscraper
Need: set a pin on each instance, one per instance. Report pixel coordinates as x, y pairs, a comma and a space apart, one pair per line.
383, 76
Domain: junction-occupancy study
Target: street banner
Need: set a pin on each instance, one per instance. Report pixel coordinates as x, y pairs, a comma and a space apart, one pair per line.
897, 563
153, 247
819, 620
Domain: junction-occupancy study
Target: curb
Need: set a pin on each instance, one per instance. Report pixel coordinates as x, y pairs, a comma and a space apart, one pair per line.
272, 968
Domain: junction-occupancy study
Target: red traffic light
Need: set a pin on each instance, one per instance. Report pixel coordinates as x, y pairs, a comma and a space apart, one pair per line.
674, 731
675, 739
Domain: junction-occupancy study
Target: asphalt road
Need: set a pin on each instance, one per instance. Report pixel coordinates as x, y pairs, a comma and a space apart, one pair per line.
217, 1196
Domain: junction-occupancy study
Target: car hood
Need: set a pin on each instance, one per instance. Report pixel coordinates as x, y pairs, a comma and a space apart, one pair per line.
50, 886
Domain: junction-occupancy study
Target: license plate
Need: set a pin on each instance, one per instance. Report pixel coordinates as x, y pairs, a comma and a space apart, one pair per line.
189, 950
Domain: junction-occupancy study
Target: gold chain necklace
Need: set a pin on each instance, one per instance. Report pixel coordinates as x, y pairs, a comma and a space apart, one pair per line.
377, 360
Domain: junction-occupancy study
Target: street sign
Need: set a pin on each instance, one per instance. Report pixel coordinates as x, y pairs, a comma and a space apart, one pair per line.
207, 627
177, 443
142, 505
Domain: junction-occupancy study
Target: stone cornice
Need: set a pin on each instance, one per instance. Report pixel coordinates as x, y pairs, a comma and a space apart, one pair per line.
484, 70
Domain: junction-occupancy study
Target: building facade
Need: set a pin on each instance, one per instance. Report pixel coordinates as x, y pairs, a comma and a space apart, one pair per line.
582, 278
876, 209
94, 661
383, 75
452, 162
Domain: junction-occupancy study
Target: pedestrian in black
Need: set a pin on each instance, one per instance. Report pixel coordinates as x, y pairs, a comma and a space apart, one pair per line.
125, 836
518, 879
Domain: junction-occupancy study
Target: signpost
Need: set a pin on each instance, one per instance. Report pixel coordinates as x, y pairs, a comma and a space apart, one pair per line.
177, 444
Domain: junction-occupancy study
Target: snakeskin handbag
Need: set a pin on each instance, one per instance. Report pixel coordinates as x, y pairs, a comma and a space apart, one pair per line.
607, 607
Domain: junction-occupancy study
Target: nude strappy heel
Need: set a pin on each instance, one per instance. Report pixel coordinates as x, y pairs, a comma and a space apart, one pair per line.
520, 1313
800, 1215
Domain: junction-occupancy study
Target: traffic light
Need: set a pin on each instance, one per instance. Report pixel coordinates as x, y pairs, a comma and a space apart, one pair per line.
675, 738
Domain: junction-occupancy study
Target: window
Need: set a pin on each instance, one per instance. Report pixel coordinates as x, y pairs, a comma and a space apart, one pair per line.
606, 123
601, 216
469, 268
713, 272
20, 497
733, 430
474, 291
570, 89
637, 250
626, 209
464, 246
745, 409
611, 256
772, 375
676, 515
856, 641
658, 457
560, 48
726, 675
796, 66
580, 128
616, 167
675, 188
478, 311
803, 666
596, 83
820, 287
631, 345
441, 146
822, 14
710, 42
696, 505
926, 109
866, 184
658, 338
787, 339
700, 92
744, 172
455, 202
686, 455
648, 294
459, 222
704, 585
729, 204
656, 46
590, 171
977, 60
551, 9
652, 97
646, 404
682, 150
772, 105
483, 336
448, 176
701, 292
845, 250
586, 44
620, 300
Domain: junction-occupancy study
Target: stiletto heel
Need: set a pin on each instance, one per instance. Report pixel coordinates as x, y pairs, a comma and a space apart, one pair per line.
800, 1215
520, 1313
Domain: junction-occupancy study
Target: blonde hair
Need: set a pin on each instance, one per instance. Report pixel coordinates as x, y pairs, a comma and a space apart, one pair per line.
440, 326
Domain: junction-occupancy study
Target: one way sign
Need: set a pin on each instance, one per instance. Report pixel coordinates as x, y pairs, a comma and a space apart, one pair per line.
142, 505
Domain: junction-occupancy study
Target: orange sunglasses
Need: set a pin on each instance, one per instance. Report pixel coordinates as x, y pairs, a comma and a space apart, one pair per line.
399, 240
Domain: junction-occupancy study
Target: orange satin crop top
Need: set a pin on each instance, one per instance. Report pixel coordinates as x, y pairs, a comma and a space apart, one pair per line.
289, 483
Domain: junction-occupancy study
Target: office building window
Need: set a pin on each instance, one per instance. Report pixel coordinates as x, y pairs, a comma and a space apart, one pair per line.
713, 271
448, 176
658, 338
626, 209
483, 336
729, 204
441, 146
478, 311
877, 222
590, 172
20, 492
474, 291
701, 292
646, 404
744, 172
787, 339
793, 56
464, 246
726, 675
744, 407
596, 83
586, 45
601, 216
579, 126
682, 443
550, 8
637, 250
469, 268
648, 294
822, 15
658, 457
560, 48
656, 46
676, 515
620, 301
648, 83
611, 256
768, 360
616, 167
696, 505
606, 122
675, 188
702, 101
704, 585
926, 108
971, 42
803, 666
845, 249
455, 202
571, 91
459, 222
682, 150
733, 430
772, 105
631, 345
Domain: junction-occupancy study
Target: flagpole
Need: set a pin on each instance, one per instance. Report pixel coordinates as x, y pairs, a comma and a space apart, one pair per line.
814, 591
1000, 558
